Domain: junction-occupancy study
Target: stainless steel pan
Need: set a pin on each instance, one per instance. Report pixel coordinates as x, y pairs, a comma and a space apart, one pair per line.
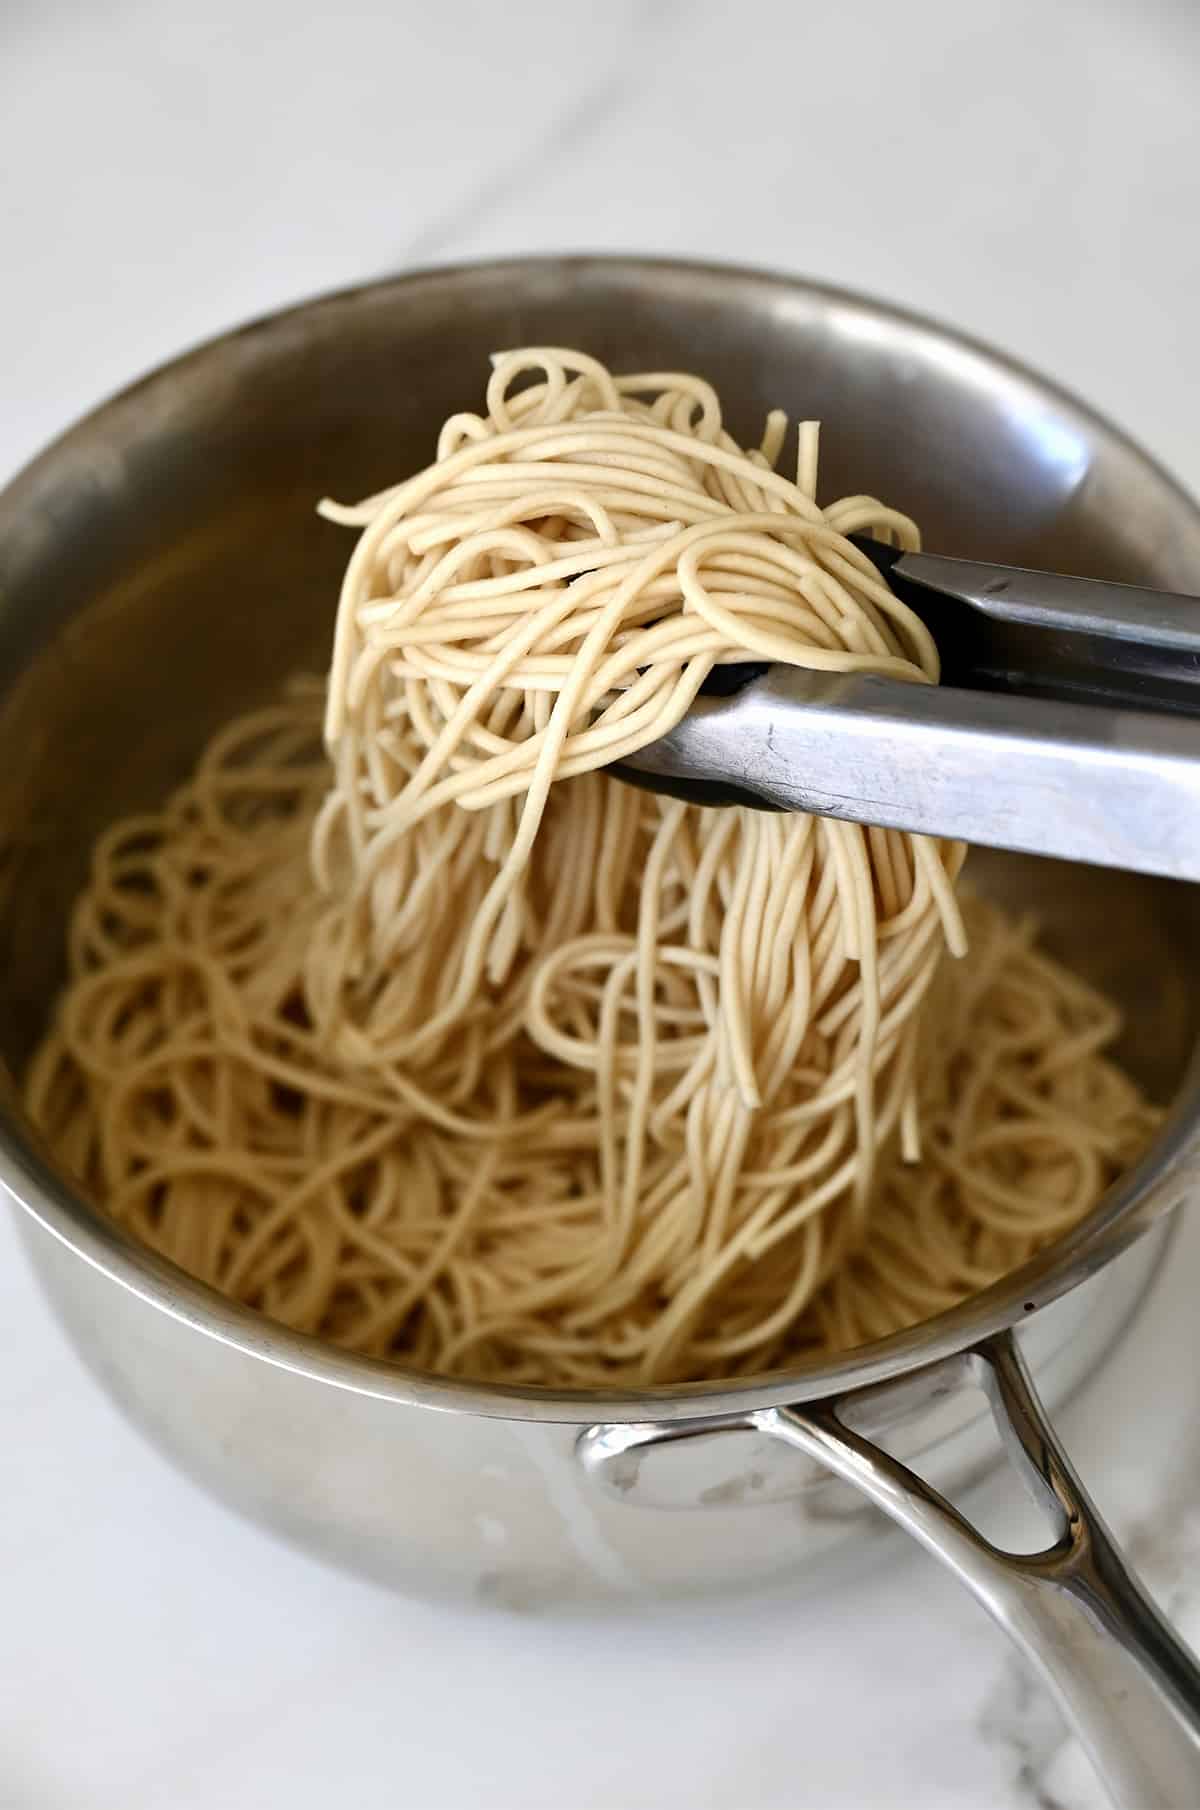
161, 567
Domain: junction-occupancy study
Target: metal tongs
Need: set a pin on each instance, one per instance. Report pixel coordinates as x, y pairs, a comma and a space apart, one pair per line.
1067, 723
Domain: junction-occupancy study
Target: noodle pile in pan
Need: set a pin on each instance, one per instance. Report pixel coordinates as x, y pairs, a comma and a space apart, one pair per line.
443, 1044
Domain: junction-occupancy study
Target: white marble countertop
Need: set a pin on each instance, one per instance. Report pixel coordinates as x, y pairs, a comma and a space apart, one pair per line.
1031, 172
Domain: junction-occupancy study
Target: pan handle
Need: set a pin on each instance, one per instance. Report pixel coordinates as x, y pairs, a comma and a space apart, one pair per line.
1127, 1684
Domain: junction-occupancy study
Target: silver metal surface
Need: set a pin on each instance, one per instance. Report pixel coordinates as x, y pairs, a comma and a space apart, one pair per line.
1048, 603
1067, 723
1083, 782
1127, 1684
495, 1509
161, 567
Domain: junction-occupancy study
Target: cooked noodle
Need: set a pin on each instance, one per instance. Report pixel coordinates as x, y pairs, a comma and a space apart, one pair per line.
478, 1058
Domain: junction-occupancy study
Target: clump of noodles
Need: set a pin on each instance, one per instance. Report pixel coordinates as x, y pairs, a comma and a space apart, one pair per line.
468, 1054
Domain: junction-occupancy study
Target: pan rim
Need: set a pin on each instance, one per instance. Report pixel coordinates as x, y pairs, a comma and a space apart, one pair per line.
1168, 1171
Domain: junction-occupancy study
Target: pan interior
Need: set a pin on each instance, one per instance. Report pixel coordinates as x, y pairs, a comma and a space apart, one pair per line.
163, 567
